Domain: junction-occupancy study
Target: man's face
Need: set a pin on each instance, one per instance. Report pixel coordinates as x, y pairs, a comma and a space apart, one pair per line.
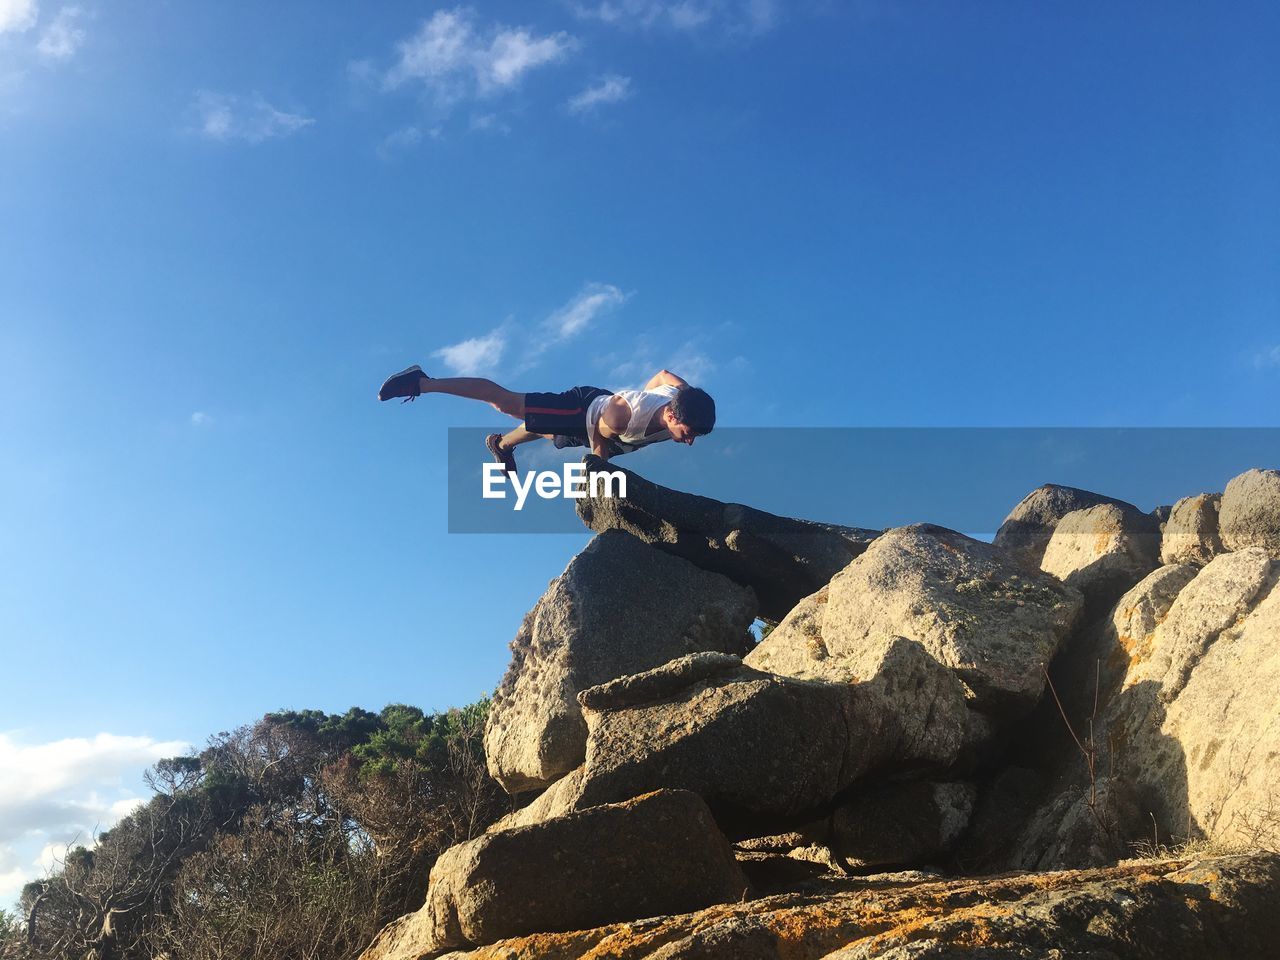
679, 432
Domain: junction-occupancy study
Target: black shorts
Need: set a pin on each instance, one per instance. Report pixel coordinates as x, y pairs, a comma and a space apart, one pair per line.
561, 414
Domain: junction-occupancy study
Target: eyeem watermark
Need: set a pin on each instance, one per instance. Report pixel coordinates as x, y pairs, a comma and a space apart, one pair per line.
572, 483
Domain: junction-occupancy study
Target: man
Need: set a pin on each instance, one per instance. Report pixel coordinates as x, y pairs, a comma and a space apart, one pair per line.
666, 408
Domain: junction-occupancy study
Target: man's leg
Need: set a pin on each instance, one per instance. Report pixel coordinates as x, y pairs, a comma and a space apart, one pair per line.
477, 388
520, 435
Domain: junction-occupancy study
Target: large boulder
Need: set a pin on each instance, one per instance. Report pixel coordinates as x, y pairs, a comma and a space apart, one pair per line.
1194, 725
620, 607
1250, 515
1102, 551
765, 744
1027, 529
783, 560
657, 854
966, 603
1191, 532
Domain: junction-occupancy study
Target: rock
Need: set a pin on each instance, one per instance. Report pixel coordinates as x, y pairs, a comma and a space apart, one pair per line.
657, 854
1082, 826
765, 744
1250, 514
902, 823
783, 560
1161, 514
965, 602
1102, 551
1027, 529
1194, 725
1191, 532
744, 739
619, 608
1221, 908
1128, 639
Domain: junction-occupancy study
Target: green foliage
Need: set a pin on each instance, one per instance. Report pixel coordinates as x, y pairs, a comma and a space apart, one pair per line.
299, 835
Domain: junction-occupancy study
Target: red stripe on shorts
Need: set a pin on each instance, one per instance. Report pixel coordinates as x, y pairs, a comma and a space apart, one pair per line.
567, 413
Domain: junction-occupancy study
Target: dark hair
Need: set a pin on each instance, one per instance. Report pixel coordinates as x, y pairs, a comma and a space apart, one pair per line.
695, 409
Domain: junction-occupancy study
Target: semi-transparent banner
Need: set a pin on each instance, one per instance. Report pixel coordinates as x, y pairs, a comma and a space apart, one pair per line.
963, 478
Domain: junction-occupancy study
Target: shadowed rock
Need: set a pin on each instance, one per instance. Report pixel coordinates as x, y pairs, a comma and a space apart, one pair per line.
656, 854
1224, 908
619, 608
902, 823
1191, 532
1102, 551
783, 560
1027, 529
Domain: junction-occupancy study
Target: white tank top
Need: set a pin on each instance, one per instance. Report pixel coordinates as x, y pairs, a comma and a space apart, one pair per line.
644, 404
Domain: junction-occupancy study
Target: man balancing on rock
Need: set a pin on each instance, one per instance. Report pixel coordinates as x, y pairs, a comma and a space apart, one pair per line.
666, 408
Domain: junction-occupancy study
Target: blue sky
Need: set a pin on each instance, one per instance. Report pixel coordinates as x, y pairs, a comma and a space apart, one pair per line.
221, 225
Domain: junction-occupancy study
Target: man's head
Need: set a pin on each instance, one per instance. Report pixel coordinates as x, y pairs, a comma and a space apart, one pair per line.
691, 414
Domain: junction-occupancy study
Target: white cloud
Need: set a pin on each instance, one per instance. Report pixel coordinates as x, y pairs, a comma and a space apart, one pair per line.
474, 356
610, 89
734, 17
643, 361
52, 793
200, 419
63, 37
1267, 357
455, 58
17, 15
224, 117
592, 301
489, 122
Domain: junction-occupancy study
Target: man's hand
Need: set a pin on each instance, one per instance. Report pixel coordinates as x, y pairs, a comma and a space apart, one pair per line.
665, 378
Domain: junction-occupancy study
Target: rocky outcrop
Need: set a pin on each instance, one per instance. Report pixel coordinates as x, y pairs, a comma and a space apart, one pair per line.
783, 560
660, 853
1250, 514
1102, 551
1226, 908
965, 602
1027, 529
620, 607
896, 715
1191, 532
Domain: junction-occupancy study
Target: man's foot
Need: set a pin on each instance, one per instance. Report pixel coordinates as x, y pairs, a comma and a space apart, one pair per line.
406, 383
500, 453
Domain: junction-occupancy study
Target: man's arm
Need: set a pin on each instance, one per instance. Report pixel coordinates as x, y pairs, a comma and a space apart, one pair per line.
665, 378
613, 420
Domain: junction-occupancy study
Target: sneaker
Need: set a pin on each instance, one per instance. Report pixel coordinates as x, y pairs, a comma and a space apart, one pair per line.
505, 457
406, 383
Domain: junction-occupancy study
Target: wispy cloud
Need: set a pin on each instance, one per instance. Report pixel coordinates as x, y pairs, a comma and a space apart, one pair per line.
64, 36
734, 17
17, 15
688, 360
1267, 357
455, 57
610, 89
404, 139
592, 301
224, 117
489, 123
200, 419
475, 356
53, 792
